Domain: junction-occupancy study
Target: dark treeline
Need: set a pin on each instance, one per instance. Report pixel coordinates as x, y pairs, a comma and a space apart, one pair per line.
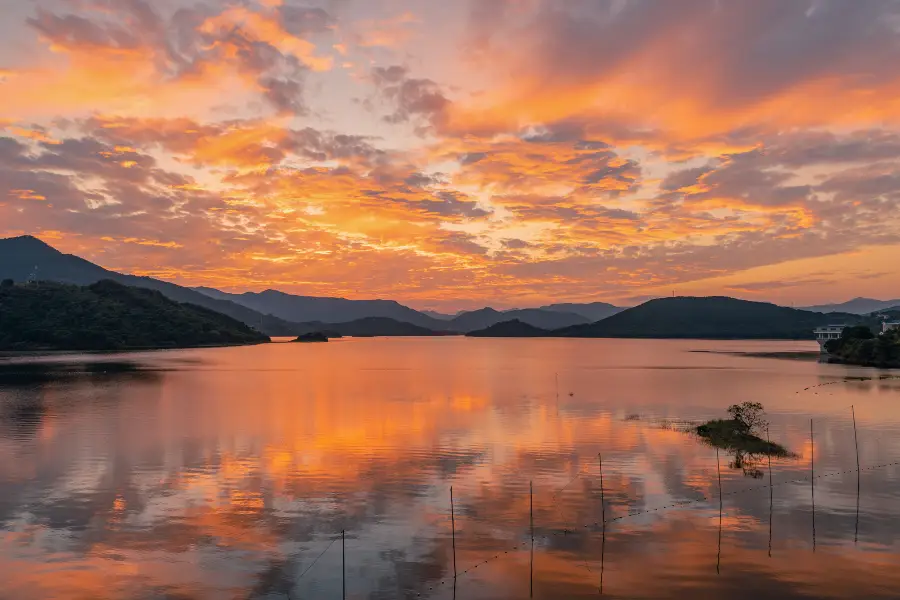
859, 346
109, 316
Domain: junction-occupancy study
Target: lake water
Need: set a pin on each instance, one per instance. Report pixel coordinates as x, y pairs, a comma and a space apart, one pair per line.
231, 473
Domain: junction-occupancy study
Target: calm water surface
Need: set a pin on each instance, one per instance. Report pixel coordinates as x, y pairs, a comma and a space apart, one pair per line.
227, 473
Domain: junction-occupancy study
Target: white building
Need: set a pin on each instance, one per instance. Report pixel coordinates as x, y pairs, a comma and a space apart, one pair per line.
888, 325
828, 332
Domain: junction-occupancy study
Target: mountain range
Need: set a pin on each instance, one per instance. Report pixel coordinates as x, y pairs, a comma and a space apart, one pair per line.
858, 306
276, 313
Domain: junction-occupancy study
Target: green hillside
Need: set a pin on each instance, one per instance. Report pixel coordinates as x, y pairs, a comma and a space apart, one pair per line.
109, 316
710, 318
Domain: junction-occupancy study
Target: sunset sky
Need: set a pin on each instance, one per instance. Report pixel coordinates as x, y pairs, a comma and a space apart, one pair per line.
451, 154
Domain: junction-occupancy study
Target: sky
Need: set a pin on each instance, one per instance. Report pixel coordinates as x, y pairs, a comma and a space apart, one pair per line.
452, 155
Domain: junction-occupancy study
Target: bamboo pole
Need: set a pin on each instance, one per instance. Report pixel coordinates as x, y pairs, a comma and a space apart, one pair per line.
719, 552
453, 530
771, 489
343, 564
812, 479
858, 475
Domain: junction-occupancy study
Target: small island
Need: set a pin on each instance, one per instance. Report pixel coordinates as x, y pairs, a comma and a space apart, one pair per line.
314, 337
739, 436
859, 346
109, 316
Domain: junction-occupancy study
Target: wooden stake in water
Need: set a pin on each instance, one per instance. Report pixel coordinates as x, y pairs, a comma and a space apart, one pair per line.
453, 530
812, 479
531, 523
557, 394
343, 565
603, 521
602, 498
858, 475
771, 488
719, 552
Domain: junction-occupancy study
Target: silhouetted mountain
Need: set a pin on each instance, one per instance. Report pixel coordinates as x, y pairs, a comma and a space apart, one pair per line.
26, 257
109, 316
514, 328
594, 311
475, 319
857, 306
709, 318
542, 319
301, 309
371, 327
438, 315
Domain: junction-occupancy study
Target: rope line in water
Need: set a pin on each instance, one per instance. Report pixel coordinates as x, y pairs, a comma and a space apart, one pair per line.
680, 504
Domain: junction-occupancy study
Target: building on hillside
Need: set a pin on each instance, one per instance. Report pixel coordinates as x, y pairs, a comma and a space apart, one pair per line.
889, 325
828, 332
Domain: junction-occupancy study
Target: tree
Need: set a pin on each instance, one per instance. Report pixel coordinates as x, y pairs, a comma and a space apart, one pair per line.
857, 332
748, 416
7, 283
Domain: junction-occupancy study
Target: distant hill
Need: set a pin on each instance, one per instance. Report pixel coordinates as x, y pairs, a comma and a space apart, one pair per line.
437, 315
27, 257
709, 318
301, 309
514, 328
109, 316
371, 327
542, 319
857, 306
594, 311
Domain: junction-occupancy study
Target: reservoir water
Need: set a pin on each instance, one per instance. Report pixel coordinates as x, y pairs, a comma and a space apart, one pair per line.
232, 473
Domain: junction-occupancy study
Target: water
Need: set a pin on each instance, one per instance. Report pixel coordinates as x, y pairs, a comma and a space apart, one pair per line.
225, 473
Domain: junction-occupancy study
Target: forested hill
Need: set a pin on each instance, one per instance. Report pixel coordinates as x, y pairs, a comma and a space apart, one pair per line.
710, 318
109, 316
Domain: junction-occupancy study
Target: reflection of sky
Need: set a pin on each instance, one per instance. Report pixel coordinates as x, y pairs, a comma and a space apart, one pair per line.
232, 474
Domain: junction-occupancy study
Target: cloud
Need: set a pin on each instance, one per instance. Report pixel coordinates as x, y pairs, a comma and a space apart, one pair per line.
418, 100
769, 63
134, 53
512, 149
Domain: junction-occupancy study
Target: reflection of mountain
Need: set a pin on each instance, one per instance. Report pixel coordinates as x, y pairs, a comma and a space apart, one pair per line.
109, 316
708, 318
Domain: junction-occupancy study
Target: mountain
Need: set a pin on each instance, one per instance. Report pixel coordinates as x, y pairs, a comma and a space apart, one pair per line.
514, 328
486, 317
371, 327
438, 315
594, 311
109, 316
857, 306
28, 258
302, 309
709, 318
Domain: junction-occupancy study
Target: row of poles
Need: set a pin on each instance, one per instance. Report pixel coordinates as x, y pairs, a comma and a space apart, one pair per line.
603, 511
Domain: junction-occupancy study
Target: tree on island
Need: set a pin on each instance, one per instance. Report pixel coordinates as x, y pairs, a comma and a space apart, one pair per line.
740, 436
